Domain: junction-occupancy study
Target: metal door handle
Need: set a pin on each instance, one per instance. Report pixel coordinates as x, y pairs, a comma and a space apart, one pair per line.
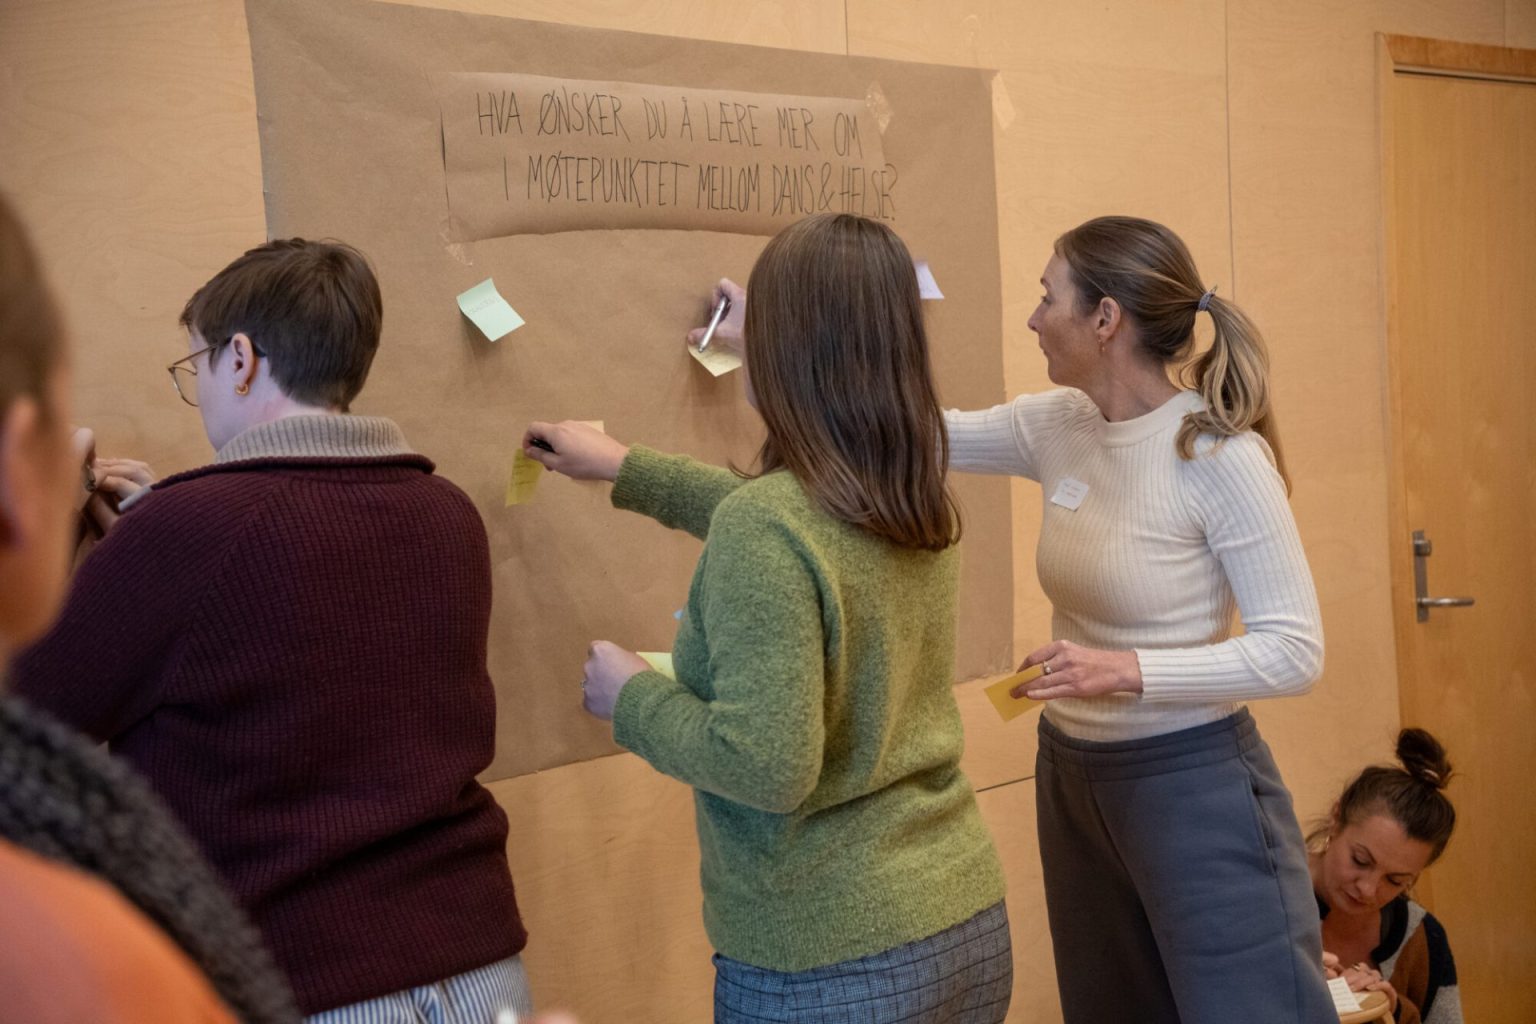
1422, 549
1446, 602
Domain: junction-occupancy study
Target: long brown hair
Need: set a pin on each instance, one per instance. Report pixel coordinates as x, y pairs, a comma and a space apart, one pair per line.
1148, 270
838, 358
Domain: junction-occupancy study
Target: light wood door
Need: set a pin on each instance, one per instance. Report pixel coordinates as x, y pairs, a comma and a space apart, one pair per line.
1461, 160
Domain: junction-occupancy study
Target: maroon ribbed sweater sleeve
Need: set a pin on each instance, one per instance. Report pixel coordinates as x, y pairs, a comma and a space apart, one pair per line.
99, 667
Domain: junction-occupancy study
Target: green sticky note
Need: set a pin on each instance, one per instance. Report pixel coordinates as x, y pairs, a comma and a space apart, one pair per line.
490, 312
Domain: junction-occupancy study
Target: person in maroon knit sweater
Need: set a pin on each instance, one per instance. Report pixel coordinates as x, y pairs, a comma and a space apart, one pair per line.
290, 645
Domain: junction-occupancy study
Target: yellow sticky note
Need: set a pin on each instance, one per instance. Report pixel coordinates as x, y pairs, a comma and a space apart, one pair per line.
523, 479
660, 661
1009, 706
490, 312
717, 359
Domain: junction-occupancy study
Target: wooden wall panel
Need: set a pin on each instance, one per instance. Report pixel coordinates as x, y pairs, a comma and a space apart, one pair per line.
1249, 126
789, 24
130, 148
606, 865
1520, 24
1010, 813
1307, 223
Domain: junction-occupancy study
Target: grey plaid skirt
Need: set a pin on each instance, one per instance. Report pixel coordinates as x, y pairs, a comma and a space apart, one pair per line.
962, 975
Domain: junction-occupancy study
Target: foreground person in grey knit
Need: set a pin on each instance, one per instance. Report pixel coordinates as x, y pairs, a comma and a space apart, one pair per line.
290, 645
1175, 876
88, 856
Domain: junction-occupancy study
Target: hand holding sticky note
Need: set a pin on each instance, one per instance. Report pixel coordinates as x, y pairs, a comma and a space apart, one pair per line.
1009, 706
490, 312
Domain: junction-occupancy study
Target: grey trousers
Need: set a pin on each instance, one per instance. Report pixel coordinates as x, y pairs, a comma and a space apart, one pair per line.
1176, 881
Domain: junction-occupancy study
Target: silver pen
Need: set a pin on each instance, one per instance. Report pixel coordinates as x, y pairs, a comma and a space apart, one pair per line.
721, 308
126, 503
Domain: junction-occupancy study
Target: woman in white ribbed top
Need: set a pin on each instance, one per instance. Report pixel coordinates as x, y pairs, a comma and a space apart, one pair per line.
1175, 874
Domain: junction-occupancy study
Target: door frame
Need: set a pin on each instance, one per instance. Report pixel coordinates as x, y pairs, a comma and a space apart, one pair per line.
1415, 55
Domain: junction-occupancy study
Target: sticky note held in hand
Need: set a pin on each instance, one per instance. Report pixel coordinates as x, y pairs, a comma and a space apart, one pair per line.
490, 312
523, 478
717, 359
1009, 706
1344, 1000
660, 661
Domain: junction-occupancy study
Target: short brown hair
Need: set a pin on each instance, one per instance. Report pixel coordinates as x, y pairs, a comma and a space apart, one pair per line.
31, 328
838, 358
313, 308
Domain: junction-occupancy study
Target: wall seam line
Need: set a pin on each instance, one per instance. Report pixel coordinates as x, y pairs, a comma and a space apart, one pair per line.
1226, 45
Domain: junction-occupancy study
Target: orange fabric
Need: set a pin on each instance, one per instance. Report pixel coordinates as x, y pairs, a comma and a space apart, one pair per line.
1410, 977
72, 949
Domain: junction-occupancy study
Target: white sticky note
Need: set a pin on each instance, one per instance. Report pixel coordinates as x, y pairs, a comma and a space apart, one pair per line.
1344, 1000
717, 359
490, 312
927, 287
1069, 494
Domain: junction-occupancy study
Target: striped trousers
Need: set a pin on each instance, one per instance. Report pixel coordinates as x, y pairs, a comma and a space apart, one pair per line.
494, 994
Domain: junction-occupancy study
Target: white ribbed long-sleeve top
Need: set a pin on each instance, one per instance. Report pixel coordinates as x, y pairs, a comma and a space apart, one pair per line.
1156, 558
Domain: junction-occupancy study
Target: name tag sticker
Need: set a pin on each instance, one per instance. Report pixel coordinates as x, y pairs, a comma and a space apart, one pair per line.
1069, 494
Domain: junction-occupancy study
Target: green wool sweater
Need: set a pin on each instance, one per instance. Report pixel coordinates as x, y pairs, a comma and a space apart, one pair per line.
814, 715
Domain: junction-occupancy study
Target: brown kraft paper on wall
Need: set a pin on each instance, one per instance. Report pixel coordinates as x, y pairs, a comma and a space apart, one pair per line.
352, 148
527, 153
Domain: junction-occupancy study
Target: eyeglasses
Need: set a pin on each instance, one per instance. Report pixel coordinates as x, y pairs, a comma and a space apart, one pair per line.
184, 375
184, 372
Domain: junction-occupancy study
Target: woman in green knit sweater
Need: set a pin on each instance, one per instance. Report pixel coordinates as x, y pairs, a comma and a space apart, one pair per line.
847, 873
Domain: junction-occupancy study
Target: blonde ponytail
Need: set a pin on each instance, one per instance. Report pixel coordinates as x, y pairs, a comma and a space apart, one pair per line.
1148, 270
1233, 379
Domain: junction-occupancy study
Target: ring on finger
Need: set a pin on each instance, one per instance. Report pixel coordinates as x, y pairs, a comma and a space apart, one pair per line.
1045, 668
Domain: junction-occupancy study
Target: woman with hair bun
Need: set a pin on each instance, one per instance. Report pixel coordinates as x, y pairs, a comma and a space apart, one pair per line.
1172, 858
1388, 825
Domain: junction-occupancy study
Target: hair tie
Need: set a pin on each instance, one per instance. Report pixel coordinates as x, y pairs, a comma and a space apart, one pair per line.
1431, 774
1205, 300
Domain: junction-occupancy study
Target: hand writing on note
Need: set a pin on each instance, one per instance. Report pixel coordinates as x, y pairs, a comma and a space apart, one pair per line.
607, 669
729, 330
1362, 977
577, 450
